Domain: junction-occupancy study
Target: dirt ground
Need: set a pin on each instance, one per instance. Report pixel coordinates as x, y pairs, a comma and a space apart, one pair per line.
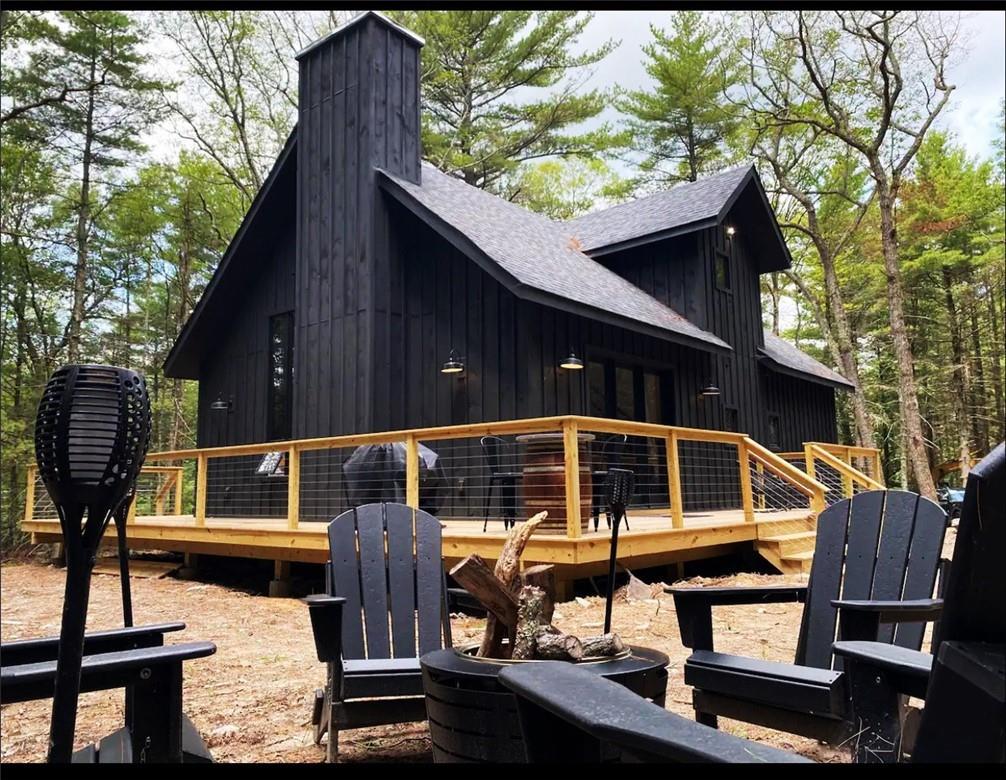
251, 701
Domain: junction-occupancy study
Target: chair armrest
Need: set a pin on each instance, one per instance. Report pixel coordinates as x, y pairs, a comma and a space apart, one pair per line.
694, 607
907, 670
101, 671
30, 651
326, 623
611, 713
860, 620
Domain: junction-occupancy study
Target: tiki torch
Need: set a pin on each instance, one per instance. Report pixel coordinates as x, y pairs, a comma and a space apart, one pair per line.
91, 436
618, 489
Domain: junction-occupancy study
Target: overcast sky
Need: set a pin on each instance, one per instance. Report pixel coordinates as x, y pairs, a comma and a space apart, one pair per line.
972, 114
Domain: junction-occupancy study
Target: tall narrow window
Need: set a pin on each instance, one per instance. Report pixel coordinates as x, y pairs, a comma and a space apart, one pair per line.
722, 270
280, 411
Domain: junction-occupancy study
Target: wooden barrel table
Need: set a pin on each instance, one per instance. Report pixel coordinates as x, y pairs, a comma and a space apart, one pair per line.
544, 483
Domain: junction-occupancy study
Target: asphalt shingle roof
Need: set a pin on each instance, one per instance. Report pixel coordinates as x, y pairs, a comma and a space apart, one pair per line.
540, 254
789, 356
681, 205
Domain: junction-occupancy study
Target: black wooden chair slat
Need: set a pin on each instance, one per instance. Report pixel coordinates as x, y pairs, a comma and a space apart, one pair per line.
373, 579
923, 564
401, 579
892, 554
346, 579
864, 537
430, 590
817, 631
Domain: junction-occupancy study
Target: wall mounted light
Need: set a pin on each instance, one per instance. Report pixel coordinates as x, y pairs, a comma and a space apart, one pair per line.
220, 405
730, 231
710, 390
453, 364
572, 362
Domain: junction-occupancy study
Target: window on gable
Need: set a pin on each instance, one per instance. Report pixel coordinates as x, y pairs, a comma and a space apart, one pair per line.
722, 270
280, 395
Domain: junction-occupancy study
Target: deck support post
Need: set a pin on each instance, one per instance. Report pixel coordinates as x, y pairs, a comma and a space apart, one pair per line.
293, 488
674, 482
179, 479
571, 459
412, 472
747, 500
190, 566
202, 472
280, 584
29, 494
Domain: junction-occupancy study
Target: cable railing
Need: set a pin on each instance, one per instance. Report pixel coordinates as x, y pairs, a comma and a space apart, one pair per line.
486, 474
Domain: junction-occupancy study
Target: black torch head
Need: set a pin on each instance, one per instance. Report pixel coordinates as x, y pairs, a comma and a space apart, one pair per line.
618, 486
91, 435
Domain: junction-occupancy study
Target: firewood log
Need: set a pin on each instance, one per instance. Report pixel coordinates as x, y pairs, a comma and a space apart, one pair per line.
542, 576
507, 568
474, 576
557, 647
606, 644
531, 602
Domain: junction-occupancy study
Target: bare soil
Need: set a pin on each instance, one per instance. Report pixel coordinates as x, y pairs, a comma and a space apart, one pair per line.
252, 700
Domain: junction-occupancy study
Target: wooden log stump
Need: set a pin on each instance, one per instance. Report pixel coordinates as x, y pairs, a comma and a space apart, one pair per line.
531, 603
606, 644
542, 576
551, 646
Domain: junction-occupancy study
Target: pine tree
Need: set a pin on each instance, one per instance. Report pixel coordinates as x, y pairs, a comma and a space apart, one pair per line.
500, 88
683, 125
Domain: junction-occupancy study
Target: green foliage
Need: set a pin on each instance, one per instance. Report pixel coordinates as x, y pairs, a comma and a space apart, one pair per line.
683, 126
563, 189
500, 88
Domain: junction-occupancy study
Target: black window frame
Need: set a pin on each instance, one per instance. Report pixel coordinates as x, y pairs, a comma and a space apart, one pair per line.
721, 259
774, 445
280, 426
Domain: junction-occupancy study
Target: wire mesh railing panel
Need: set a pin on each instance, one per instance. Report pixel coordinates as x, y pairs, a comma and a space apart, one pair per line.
246, 486
43, 508
157, 491
772, 493
831, 478
710, 476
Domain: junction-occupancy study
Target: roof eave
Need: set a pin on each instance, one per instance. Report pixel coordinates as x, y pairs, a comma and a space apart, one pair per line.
175, 364
360, 17
774, 365
650, 238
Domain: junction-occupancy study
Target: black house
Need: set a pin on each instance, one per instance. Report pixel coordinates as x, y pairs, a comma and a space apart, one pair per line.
359, 270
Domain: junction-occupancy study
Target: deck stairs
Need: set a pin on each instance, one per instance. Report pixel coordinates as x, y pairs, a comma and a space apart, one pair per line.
788, 544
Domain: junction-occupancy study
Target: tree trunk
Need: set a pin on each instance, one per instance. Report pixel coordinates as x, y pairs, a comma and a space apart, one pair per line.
911, 420
83, 228
959, 376
775, 292
979, 392
996, 355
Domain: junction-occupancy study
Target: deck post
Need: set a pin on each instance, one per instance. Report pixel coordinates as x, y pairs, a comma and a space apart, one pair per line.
412, 471
29, 495
674, 481
279, 586
746, 498
293, 488
179, 479
202, 471
808, 460
761, 484
571, 460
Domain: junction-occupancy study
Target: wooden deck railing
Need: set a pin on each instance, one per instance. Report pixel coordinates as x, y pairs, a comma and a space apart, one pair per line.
756, 478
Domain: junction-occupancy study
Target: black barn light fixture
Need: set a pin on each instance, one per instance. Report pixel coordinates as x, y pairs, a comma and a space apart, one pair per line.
453, 364
571, 362
710, 390
220, 405
730, 231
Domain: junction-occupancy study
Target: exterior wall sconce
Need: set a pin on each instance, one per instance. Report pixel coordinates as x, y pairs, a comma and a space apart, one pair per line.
730, 231
220, 405
572, 362
710, 390
453, 364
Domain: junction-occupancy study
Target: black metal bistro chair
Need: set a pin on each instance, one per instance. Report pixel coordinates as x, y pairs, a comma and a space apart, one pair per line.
565, 710
876, 554
385, 562
611, 452
501, 459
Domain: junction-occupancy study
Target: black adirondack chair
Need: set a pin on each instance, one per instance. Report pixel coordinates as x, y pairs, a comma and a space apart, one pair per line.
134, 658
565, 710
502, 463
385, 558
875, 564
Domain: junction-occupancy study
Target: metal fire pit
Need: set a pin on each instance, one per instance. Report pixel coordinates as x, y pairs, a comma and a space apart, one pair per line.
474, 718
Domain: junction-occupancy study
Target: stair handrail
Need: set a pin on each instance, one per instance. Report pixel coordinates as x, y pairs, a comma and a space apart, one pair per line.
786, 471
815, 451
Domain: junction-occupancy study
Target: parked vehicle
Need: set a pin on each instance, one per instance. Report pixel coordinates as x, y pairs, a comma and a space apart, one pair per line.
951, 500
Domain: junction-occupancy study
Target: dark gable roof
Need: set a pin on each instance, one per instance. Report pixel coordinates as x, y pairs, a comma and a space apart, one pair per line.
276, 194
683, 209
787, 358
536, 258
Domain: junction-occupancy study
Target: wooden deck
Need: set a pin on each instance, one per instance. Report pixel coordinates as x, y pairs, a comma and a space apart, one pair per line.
651, 540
